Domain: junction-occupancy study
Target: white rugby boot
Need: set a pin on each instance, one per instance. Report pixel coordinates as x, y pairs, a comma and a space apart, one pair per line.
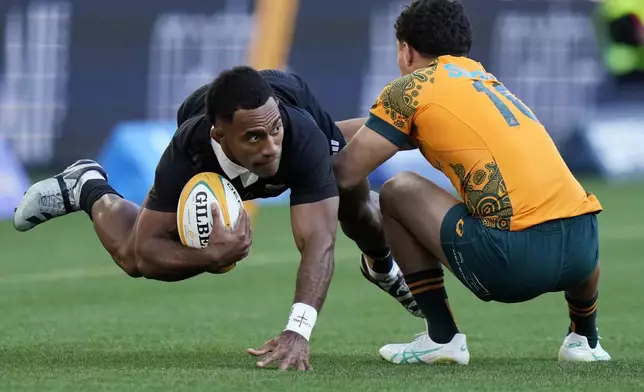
575, 348
55, 196
394, 284
424, 350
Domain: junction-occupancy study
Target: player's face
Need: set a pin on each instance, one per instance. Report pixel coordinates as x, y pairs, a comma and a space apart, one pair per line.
254, 138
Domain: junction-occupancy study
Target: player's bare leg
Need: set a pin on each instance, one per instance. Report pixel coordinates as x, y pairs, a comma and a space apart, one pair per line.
114, 222
83, 186
582, 342
360, 219
413, 209
359, 213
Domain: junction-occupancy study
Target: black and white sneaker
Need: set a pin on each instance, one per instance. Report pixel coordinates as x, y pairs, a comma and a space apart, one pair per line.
55, 196
394, 284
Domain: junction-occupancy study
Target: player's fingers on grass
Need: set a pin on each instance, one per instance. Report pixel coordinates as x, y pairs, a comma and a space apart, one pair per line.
292, 360
272, 356
307, 365
268, 346
287, 362
258, 351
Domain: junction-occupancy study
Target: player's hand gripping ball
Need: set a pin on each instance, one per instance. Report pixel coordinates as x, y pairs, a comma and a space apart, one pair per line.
194, 213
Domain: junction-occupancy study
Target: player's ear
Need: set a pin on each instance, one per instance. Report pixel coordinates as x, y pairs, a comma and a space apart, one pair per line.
216, 133
408, 54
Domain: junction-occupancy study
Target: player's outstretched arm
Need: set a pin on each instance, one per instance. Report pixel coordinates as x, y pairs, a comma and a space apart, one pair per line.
362, 155
160, 256
385, 132
350, 127
314, 228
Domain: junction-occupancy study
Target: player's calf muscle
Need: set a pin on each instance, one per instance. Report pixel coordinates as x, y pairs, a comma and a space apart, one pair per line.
114, 222
588, 289
360, 219
354, 204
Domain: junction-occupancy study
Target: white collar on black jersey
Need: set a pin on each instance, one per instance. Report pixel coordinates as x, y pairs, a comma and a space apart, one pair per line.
232, 169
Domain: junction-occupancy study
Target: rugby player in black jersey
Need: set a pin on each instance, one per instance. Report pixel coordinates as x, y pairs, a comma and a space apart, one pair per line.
266, 133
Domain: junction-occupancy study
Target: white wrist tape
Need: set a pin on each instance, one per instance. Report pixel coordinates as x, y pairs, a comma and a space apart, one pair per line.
302, 319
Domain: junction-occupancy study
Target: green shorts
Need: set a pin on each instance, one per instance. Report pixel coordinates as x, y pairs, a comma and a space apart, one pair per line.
516, 266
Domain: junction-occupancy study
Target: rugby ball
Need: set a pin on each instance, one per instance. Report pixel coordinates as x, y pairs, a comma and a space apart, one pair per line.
194, 212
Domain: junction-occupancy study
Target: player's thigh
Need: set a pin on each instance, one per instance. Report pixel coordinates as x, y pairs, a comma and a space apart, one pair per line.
581, 251
420, 206
356, 201
445, 227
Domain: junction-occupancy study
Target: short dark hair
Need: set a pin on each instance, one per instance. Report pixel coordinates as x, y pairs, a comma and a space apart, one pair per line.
241, 87
435, 28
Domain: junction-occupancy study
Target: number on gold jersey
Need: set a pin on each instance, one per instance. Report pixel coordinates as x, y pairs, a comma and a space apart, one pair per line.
505, 111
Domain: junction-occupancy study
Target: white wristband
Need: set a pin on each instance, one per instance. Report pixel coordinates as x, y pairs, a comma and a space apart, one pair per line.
302, 319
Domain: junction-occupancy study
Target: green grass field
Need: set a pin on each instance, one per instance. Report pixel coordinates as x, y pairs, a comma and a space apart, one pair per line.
70, 321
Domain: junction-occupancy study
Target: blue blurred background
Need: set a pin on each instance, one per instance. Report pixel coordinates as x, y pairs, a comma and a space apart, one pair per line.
103, 80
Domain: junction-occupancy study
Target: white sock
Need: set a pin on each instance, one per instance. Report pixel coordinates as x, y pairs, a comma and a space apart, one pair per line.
88, 175
380, 276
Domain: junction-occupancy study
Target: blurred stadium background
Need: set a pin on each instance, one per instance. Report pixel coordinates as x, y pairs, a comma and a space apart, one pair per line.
103, 80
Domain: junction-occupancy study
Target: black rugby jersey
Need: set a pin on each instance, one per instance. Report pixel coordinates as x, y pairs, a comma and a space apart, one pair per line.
306, 168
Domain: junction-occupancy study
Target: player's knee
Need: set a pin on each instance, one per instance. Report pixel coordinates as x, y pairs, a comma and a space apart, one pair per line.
396, 189
126, 260
131, 270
